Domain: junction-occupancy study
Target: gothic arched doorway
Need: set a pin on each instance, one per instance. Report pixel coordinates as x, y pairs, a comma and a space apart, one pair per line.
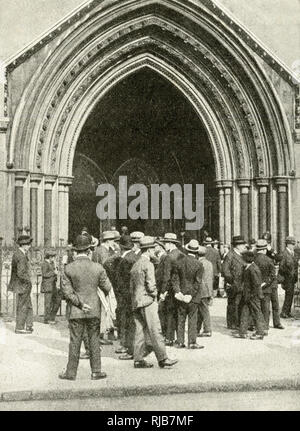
146, 129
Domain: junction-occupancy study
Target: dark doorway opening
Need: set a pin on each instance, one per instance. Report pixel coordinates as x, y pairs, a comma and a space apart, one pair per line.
144, 128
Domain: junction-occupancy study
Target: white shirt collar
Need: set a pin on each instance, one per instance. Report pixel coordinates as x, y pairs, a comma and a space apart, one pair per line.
22, 250
237, 252
290, 251
125, 253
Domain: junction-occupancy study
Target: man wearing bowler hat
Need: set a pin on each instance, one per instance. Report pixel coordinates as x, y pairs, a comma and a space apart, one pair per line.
269, 280
143, 290
233, 267
288, 272
81, 280
166, 288
20, 283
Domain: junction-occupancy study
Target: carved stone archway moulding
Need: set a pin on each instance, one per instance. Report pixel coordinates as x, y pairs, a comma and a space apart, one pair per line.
201, 52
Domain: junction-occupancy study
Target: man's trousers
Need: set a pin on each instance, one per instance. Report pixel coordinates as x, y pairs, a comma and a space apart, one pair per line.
187, 311
204, 316
252, 308
288, 299
266, 306
233, 313
24, 313
171, 317
52, 301
77, 328
148, 334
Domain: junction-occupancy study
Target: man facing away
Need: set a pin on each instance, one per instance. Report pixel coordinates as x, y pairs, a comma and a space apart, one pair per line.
251, 298
233, 267
52, 299
187, 287
81, 280
20, 283
143, 290
269, 280
168, 266
288, 271
206, 294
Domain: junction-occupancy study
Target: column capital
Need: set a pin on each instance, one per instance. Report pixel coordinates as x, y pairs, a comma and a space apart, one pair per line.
227, 184
21, 174
243, 183
281, 181
36, 177
4, 122
262, 182
65, 181
50, 179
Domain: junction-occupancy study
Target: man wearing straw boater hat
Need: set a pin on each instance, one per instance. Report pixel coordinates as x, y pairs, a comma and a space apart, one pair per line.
81, 280
269, 280
143, 290
187, 285
166, 288
233, 267
20, 283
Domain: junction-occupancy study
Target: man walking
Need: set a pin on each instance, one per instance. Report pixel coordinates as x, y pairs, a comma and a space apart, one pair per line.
187, 287
288, 271
20, 283
145, 309
233, 267
80, 284
206, 294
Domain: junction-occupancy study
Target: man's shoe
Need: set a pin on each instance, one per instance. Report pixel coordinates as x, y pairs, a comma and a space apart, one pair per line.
98, 376
280, 326
105, 342
22, 331
121, 350
46, 322
142, 364
290, 315
167, 362
126, 357
266, 333
244, 336
84, 356
64, 376
284, 316
169, 343
205, 334
195, 346
256, 337
180, 346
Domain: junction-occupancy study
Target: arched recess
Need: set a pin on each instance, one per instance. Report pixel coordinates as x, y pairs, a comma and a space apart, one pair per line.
194, 49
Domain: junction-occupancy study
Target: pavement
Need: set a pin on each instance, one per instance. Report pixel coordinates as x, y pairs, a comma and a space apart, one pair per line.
30, 364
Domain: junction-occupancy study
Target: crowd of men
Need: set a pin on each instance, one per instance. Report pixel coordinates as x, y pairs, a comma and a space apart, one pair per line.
158, 286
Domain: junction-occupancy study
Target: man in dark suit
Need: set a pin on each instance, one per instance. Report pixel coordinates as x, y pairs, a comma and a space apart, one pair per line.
143, 291
233, 267
251, 298
20, 283
213, 255
130, 255
52, 298
288, 272
166, 289
269, 280
187, 281
81, 280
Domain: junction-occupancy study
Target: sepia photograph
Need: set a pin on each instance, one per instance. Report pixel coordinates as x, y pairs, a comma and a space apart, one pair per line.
150, 208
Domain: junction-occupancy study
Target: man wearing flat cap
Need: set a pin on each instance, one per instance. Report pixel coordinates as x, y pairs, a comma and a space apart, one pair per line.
143, 290
20, 283
233, 267
288, 273
81, 281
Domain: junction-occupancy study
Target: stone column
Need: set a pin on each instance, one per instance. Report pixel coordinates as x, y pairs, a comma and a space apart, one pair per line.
64, 184
49, 181
5, 194
263, 213
244, 186
221, 212
20, 178
227, 211
35, 180
282, 210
